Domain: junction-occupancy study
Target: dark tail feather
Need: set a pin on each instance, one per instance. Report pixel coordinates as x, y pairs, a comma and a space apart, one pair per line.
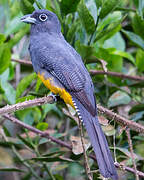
99, 143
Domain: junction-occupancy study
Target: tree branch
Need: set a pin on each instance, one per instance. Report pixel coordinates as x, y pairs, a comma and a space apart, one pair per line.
37, 131
25, 62
61, 143
126, 168
26, 104
87, 168
132, 153
122, 167
93, 72
49, 99
121, 120
116, 74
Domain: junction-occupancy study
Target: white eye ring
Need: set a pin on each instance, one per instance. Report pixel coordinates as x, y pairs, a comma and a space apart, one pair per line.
43, 17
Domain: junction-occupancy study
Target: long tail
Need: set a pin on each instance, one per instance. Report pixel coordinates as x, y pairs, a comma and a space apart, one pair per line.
99, 142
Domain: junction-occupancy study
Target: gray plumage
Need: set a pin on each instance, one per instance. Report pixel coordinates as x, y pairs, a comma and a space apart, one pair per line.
50, 53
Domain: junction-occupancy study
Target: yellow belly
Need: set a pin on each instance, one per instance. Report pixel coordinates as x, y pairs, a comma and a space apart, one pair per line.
56, 90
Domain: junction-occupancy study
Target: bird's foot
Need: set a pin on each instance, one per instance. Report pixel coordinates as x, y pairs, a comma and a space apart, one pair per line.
54, 97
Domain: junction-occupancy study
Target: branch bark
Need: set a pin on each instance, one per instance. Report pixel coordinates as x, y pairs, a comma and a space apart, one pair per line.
25, 62
49, 99
26, 104
132, 152
121, 120
61, 143
93, 72
116, 74
37, 131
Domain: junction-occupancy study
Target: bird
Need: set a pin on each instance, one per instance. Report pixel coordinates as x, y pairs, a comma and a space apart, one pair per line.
63, 72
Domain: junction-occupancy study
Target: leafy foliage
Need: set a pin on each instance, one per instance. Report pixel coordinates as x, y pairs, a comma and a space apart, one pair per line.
108, 30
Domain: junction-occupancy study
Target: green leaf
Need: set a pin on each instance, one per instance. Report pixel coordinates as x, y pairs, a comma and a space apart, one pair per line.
68, 6
128, 153
71, 32
26, 142
11, 169
5, 56
141, 8
138, 116
29, 115
108, 6
98, 3
26, 98
42, 126
109, 130
29, 119
134, 38
86, 17
83, 50
58, 177
24, 83
13, 41
50, 159
9, 91
116, 41
115, 62
91, 5
26, 6
136, 108
9, 144
140, 60
109, 26
14, 8
118, 98
75, 170
39, 4
31, 1
47, 108
138, 25
55, 154
111, 18
48, 5
2, 38
38, 84
137, 84
14, 25
57, 10
125, 55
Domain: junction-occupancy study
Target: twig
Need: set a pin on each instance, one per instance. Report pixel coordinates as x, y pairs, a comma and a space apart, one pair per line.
48, 171
37, 131
29, 89
25, 163
87, 168
94, 72
44, 164
121, 120
17, 74
131, 151
61, 143
49, 99
19, 156
25, 62
122, 167
116, 74
126, 168
26, 104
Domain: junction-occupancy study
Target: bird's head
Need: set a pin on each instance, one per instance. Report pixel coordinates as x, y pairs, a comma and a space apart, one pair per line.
42, 21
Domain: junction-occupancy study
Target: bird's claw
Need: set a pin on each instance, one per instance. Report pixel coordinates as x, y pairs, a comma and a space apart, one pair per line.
54, 97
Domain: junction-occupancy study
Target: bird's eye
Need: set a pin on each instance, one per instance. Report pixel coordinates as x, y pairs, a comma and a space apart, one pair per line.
43, 17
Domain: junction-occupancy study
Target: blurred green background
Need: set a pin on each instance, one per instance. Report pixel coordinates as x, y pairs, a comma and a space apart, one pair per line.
108, 34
